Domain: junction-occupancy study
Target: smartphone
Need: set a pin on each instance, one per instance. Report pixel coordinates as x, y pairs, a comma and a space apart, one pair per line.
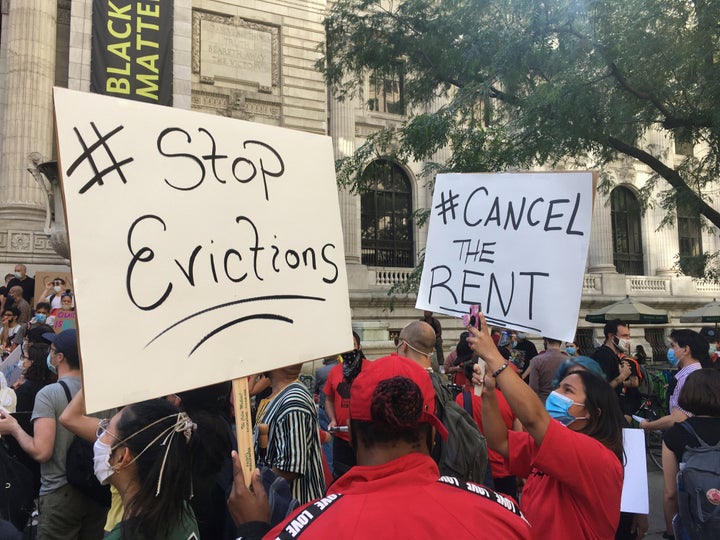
478, 388
472, 319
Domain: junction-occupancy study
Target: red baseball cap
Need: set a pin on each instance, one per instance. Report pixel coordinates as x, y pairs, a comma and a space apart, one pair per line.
364, 386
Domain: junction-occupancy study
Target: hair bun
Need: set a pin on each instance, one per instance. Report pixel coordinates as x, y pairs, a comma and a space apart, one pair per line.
397, 402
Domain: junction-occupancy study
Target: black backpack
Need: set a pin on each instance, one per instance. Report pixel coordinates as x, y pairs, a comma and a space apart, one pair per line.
699, 489
464, 455
79, 468
16, 489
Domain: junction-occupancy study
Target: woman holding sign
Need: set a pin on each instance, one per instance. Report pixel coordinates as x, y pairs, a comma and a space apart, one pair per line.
571, 453
148, 451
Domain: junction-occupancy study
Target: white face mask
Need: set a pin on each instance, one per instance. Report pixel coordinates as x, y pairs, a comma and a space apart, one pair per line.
57, 288
101, 462
623, 345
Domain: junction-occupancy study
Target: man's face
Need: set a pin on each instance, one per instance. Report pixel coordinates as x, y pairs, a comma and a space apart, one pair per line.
21, 270
623, 337
42, 311
8, 318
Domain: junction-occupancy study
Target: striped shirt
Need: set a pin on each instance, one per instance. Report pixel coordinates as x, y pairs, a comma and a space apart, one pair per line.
680, 377
294, 440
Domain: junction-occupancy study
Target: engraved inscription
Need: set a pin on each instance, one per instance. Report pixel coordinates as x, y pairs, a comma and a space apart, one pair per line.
236, 53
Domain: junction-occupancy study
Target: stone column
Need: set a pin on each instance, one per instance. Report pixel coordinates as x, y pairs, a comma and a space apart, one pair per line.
28, 114
342, 131
600, 253
665, 243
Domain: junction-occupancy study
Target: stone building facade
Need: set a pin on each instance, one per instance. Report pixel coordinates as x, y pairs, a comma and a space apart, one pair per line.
48, 42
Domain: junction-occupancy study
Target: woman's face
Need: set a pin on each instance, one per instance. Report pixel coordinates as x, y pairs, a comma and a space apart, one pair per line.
26, 362
66, 304
572, 387
111, 437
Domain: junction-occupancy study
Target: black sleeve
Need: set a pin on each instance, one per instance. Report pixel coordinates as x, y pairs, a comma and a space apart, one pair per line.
676, 439
608, 362
252, 530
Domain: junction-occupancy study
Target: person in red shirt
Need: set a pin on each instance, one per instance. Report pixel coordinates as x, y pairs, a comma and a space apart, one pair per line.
504, 480
395, 490
571, 453
337, 403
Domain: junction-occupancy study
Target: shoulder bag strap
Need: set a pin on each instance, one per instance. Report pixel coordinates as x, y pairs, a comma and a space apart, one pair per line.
68, 395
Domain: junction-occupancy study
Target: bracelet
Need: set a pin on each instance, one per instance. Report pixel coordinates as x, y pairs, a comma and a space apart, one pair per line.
501, 369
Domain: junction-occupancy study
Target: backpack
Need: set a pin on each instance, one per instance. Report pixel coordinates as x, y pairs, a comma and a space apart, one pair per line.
698, 490
16, 489
79, 468
464, 454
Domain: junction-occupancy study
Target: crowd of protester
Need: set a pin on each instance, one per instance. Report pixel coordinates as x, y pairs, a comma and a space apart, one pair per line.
361, 452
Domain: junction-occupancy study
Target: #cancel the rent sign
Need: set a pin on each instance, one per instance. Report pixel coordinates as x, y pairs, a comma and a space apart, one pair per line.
515, 244
203, 248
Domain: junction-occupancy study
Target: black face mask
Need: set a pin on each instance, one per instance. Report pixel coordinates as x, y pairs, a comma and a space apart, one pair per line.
352, 363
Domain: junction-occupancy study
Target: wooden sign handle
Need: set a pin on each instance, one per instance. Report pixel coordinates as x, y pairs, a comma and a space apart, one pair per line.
243, 427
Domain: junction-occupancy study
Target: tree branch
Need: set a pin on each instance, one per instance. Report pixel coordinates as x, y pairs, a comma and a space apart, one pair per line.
669, 174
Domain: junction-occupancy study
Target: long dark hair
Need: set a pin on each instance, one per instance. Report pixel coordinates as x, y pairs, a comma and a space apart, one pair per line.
155, 432
38, 370
606, 418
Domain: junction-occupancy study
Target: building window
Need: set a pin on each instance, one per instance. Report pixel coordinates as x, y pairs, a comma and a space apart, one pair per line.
386, 92
689, 226
683, 145
386, 216
627, 240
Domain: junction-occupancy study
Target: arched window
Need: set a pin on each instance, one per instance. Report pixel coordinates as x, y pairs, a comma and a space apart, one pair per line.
627, 238
386, 216
690, 240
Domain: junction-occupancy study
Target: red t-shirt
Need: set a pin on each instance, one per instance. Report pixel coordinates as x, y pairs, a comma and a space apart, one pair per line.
498, 465
574, 484
338, 390
403, 499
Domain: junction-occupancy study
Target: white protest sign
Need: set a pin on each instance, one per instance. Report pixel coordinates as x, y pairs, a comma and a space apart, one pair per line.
515, 244
203, 248
635, 497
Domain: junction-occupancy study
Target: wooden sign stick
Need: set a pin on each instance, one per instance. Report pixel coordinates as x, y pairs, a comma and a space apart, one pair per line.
243, 427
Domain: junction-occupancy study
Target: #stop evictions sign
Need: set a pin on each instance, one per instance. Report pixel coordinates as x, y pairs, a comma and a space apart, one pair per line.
514, 244
203, 248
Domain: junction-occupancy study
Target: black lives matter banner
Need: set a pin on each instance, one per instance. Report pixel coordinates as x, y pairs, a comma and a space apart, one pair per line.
132, 49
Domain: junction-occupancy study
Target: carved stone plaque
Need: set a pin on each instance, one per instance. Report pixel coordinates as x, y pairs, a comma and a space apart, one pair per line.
236, 52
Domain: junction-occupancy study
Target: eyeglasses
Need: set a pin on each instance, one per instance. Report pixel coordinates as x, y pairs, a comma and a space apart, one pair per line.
58, 283
102, 428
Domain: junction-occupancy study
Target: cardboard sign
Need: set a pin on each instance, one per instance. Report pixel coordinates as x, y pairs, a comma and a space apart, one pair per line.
63, 320
203, 248
43, 285
515, 244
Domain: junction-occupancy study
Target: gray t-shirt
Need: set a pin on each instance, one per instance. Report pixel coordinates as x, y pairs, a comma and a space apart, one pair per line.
50, 402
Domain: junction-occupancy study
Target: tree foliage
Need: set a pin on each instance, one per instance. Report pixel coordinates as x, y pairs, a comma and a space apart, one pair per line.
541, 82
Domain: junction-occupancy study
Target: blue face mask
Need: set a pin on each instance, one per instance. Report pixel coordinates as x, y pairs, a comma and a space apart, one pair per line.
558, 407
49, 365
41, 318
570, 350
712, 349
672, 358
